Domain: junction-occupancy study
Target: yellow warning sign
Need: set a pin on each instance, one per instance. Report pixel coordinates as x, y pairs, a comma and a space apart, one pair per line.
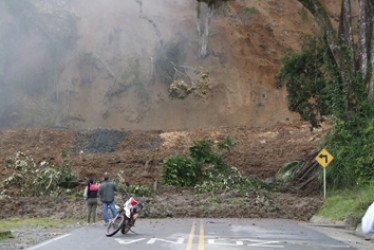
324, 158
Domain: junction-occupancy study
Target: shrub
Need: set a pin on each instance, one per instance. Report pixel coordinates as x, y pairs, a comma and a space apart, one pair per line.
180, 171
202, 151
188, 171
352, 145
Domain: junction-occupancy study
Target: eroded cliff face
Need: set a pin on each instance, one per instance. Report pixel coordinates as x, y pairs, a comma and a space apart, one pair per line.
114, 77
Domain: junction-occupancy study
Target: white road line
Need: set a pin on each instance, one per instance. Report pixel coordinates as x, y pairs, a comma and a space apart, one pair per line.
47, 242
127, 242
153, 240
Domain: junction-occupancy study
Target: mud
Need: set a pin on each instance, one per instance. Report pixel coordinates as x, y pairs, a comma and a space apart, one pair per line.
136, 156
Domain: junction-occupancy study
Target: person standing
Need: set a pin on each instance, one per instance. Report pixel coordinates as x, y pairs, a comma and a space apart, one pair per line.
90, 195
106, 192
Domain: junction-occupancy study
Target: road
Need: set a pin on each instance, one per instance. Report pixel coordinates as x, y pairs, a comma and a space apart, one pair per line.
198, 234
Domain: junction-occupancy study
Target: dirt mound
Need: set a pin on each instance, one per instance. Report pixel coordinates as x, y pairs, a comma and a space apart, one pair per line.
259, 151
176, 205
136, 155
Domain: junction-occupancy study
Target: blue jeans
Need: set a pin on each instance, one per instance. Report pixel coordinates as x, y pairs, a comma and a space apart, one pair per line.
105, 210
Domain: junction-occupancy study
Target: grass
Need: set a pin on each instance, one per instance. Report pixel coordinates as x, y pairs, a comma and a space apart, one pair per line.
214, 200
12, 223
233, 202
5, 235
341, 203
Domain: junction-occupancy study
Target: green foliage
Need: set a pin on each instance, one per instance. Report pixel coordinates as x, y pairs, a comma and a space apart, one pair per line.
227, 144
290, 170
206, 171
180, 171
314, 86
140, 190
6, 235
352, 145
202, 151
33, 179
311, 81
215, 181
79, 194
214, 200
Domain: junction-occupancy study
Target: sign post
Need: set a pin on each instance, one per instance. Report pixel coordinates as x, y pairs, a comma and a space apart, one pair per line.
324, 158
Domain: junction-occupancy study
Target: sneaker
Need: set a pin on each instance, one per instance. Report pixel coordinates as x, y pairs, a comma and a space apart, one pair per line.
106, 224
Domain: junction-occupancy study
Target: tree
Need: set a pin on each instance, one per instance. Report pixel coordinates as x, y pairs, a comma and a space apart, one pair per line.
342, 45
366, 43
311, 82
333, 75
345, 66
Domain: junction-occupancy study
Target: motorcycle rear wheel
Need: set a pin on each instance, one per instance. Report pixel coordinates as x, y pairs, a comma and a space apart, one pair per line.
115, 225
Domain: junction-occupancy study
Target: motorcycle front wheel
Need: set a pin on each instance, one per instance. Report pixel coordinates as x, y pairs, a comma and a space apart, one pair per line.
115, 225
126, 226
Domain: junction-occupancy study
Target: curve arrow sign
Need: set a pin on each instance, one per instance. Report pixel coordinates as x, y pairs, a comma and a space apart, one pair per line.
324, 158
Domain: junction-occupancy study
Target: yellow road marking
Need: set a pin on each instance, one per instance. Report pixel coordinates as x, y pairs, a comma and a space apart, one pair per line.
201, 241
191, 236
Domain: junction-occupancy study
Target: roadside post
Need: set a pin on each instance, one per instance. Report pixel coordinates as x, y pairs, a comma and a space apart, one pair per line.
324, 158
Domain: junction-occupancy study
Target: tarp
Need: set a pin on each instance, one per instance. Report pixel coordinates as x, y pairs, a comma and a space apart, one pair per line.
367, 222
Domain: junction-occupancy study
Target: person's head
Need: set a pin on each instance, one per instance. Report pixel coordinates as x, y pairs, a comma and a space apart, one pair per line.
106, 177
91, 181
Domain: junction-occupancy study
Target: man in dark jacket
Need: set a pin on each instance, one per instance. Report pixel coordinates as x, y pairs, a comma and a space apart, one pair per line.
106, 192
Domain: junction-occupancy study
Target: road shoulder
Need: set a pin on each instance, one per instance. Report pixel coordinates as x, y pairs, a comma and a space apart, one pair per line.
341, 231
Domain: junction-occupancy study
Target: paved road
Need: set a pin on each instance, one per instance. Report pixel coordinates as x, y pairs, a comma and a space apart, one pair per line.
199, 234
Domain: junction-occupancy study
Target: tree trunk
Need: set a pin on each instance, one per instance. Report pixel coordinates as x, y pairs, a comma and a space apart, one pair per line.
344, 61
346, 40
371, 52
345, 32
319, 12
362, 37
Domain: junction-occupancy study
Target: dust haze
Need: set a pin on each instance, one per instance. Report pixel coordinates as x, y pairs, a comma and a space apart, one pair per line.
109, 64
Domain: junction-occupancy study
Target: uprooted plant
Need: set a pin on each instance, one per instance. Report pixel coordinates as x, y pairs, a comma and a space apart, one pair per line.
145, 190
181, 89
32, 179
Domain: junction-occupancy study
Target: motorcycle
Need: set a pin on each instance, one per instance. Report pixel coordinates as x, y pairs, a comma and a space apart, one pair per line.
126, 216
